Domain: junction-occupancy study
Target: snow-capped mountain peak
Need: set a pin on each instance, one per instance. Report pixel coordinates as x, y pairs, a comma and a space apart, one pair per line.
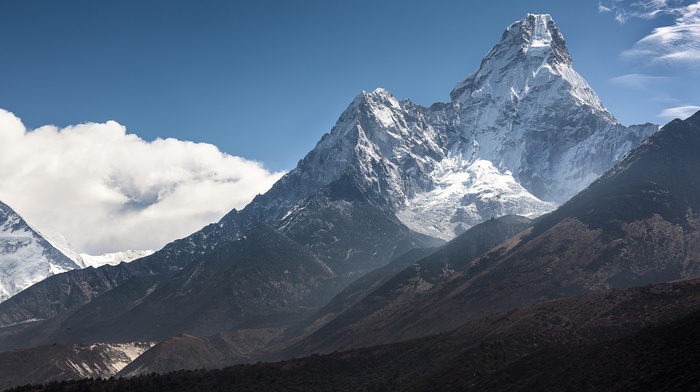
28, 256
58, 241
531, 58
25, 256
85, 260
524, 129
528, 109
542, 38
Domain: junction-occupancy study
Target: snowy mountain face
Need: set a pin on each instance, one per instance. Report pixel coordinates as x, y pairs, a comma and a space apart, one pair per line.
62, 244
526, 110
25, 256
522, 134
85, 260
113, 258
28, 256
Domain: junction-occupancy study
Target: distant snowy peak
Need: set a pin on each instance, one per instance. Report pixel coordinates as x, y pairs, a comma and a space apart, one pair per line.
58, 241
25, 256
85, 260
114, 258
28, 256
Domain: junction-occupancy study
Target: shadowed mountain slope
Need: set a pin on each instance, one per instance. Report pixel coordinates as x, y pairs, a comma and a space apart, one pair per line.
58, 293
637, 225
467, 356
661, 358
263, 273
401, 289
348, 224
473, 242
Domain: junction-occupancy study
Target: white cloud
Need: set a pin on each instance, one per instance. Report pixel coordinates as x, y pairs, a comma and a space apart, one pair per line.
106, 190
677, 44
636, 81
681, 112
664, 98
621, 17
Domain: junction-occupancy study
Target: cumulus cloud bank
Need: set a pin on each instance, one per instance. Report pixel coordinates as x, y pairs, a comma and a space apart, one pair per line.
106, 190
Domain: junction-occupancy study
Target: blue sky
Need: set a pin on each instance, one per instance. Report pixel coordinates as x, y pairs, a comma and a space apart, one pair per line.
264, 80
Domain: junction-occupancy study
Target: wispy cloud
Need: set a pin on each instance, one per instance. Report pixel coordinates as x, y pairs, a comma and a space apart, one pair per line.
677, 44
681, 112
107, 190
664, 98
637, 81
